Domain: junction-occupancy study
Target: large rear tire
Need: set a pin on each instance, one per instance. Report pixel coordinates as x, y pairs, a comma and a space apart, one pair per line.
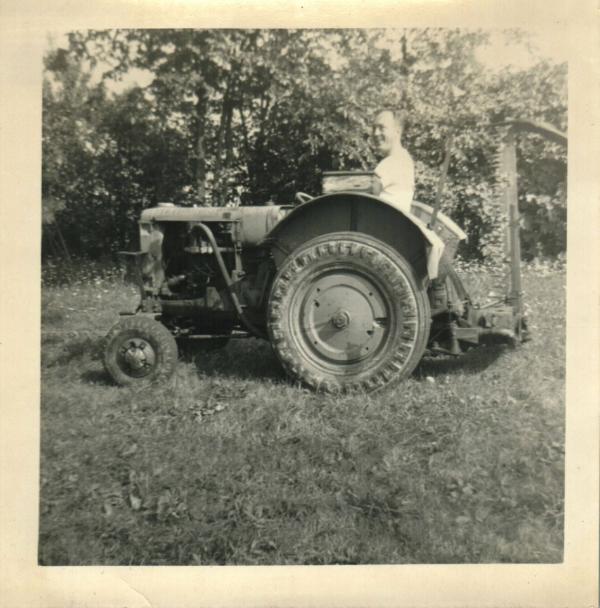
140, 350
346, 313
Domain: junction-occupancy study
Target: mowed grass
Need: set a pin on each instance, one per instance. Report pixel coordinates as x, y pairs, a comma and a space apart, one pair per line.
231, 463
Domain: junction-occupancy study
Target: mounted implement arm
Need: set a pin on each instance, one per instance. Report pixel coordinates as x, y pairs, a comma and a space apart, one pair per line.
507, 168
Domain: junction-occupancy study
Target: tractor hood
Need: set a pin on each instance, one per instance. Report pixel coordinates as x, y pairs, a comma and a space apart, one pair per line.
251, 223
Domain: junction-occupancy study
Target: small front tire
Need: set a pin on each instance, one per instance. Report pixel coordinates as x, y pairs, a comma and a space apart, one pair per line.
140, 351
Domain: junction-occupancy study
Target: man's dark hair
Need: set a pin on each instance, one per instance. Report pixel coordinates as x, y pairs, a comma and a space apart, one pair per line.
399, 116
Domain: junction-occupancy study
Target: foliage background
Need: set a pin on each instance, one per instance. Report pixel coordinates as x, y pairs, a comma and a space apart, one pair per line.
244, 116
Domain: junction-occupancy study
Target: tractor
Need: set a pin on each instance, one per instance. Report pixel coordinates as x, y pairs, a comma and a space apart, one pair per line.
346, 287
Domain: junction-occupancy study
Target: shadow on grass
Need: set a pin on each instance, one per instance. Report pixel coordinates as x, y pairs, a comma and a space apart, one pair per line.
97, 376
240, 359
255, 360
473, 362
74, 348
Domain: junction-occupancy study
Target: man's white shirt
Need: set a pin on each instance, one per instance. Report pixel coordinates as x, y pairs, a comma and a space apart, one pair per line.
397, 175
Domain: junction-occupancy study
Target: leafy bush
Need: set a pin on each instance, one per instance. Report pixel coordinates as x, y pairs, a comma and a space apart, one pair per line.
243, 116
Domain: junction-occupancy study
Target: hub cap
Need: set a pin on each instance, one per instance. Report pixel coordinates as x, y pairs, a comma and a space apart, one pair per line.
136, 357
344, 317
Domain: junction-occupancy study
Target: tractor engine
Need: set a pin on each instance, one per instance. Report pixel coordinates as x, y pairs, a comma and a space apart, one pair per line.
199, 266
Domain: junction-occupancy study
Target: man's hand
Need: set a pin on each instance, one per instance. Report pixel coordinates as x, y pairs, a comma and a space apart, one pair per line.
377, 185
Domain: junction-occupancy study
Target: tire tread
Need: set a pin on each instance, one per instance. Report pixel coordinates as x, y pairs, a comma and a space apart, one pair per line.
146, 328
384, 261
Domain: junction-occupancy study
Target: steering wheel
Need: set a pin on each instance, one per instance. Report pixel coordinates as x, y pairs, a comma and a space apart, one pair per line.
302, 197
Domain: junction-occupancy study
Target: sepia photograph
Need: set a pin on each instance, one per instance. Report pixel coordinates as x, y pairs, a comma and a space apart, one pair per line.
303, 297
299, 304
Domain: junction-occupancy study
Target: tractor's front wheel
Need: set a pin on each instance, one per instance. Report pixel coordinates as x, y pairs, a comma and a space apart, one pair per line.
140, 350
346, 312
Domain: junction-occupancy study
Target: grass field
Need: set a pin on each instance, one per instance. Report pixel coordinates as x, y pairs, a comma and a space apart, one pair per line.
231, 463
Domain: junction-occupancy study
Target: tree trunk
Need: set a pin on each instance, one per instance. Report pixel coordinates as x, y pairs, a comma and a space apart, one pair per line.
244, 128
228, 138
223, 140
201, 109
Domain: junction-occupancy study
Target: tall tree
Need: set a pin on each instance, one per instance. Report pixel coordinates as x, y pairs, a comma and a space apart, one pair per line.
248, 115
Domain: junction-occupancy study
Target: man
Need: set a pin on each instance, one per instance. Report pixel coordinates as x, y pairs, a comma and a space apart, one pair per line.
396, 170
396, 174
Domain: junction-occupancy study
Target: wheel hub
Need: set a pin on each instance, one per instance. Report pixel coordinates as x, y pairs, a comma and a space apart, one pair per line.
137, 357
344, 316
340, 319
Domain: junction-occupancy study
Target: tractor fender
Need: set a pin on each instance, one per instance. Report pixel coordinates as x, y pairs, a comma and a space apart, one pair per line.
359, 212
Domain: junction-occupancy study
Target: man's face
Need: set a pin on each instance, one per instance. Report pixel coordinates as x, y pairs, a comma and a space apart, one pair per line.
386, 133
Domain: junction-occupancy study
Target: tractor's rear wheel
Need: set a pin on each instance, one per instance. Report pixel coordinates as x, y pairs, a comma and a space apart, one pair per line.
140, 350
346, 312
